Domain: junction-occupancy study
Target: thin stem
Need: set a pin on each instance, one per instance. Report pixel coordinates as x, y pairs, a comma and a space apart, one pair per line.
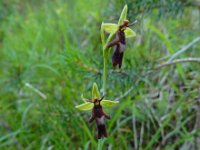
99, 144
197, 60
105, 71
105, 60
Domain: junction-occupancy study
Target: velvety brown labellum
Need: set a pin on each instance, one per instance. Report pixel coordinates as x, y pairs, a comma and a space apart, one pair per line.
99, 116
120, 43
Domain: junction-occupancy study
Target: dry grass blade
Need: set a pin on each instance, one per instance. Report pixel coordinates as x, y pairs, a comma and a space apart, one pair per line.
196, 60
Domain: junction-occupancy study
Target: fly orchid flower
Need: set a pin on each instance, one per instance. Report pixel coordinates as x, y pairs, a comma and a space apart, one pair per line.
121, 32
96, 104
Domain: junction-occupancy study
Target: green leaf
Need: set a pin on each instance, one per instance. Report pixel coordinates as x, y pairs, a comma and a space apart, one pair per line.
95, 92
85, 106
108, 103
123, 15
129, 33
110, 27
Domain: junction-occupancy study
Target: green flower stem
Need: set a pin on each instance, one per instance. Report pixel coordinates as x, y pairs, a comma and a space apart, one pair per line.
99, 144
105, 71
105, 57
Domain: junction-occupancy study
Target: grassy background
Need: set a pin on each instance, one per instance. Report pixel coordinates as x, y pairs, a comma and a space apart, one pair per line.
50, 54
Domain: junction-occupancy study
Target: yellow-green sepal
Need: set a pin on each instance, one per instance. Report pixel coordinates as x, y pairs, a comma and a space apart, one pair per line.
129, 33
123, 15
85, 106
108, 103
83, 98
110, 27
95, 92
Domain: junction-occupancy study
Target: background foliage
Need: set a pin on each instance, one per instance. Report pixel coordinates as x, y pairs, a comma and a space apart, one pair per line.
50, 53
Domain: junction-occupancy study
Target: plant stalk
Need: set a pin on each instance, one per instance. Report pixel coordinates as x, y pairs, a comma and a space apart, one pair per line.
105, 71
99, 144
105, 60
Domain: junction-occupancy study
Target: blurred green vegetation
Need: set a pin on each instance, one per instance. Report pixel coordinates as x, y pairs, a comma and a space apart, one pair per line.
50, 54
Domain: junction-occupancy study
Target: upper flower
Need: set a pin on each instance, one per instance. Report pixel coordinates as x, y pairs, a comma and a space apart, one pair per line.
118, 34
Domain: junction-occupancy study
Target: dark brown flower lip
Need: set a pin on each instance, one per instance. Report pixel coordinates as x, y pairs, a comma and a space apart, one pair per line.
99, 116
117, 58
102, 132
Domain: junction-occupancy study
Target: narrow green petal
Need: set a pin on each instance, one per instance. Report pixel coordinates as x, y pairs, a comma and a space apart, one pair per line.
83, 98
108, 103
123, 15
95, 92
102, 34
85, 106
129, 33
110, 27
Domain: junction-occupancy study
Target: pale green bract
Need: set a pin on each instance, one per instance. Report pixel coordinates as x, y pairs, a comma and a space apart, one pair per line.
89, 106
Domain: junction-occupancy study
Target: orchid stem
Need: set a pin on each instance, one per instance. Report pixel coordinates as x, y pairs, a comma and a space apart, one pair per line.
105, 72
99, 144
105, 59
